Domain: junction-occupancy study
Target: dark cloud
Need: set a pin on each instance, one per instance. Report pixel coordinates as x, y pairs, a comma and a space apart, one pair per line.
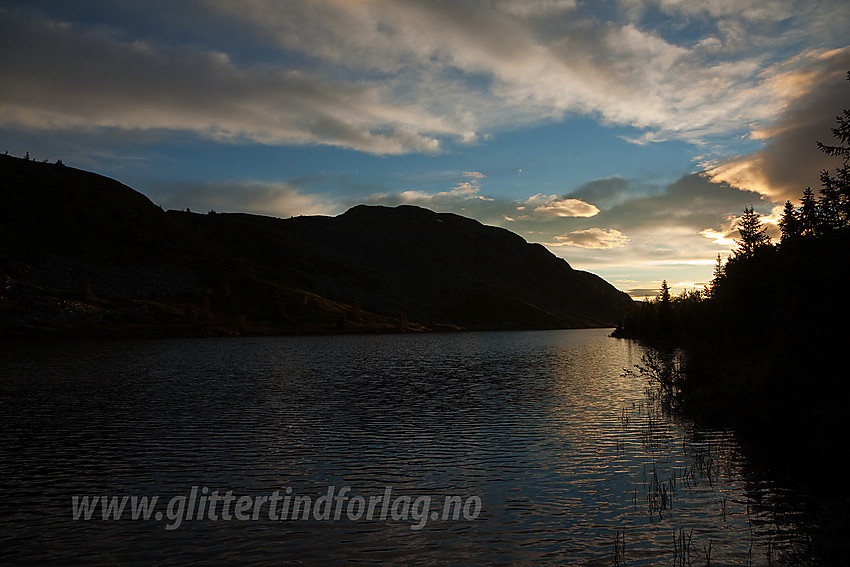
790, 160
643, 292
692, 202
607, 192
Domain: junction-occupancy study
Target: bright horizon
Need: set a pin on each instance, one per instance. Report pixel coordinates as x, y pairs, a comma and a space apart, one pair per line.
626, 138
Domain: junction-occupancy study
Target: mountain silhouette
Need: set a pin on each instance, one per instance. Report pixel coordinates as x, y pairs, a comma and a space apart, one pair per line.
83, 254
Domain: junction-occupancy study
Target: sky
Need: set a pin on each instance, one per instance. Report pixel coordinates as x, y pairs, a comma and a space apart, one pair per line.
627, 136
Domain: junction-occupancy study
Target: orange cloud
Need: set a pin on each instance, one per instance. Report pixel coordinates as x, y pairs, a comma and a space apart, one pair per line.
599, 238
790, 161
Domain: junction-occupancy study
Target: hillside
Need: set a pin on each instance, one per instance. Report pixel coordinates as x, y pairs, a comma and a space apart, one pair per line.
82, 254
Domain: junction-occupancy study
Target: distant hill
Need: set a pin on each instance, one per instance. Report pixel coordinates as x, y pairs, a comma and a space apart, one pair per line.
82, 254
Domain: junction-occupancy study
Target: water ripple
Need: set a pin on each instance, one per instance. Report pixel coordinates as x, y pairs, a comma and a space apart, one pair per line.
566, 454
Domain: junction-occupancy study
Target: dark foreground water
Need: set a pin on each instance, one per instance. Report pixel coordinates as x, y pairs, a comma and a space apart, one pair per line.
546, 452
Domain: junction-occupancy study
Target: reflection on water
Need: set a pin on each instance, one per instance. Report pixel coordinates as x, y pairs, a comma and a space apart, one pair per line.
573, 464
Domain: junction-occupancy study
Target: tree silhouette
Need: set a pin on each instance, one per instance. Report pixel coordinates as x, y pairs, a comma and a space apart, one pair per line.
830, 203
753, 235
809, 214
716, 277
664, 295
789, 223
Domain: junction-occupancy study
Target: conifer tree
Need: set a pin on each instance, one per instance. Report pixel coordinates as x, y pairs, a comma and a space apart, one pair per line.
809, 214
829, 203
753, 235
789, 223
717, 276
664, 296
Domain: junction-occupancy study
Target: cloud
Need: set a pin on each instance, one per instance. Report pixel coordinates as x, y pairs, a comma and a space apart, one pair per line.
554, 206
536, 8
664, 230
691, 203
522, 62
721, 237
600, 238
64, 78
644, 292
392, 77
790, 160
607, 192
273, 199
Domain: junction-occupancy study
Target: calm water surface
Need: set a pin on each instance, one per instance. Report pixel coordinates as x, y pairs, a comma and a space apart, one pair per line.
572, 463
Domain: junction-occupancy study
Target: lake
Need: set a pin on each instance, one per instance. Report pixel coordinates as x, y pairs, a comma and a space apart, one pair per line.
462, 449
